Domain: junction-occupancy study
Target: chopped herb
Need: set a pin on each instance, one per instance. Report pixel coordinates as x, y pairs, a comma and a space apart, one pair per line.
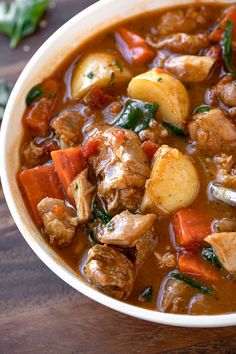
34, 93
202, 108
112, 78
146, 295
159, 79
208, 253
227, 48
204, 289
119, 65
76, 186
52, 94
5, 91
174, 129
110, 226
136, 115
101, 214
20, 18
91, 75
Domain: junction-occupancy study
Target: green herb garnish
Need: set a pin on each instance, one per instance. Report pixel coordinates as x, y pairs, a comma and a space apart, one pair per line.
227, 48
36, 92
90, 75
174, 129
119, 65
20, 18
202, 108
204, 289
208, 253
159, 79
136, 115
110, 226
5, 91
101, 214
146, 295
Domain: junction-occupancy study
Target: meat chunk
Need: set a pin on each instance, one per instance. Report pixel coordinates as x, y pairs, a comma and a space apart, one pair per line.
131, 230
68, 129
31, 154
224, 244
59, 221
224, 91
172, 298
225, 225
83, 193
181, 43
110, 271
226, 170
122, 168
183, 20
212, 131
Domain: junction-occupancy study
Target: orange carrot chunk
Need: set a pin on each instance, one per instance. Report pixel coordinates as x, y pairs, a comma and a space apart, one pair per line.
68, 164
133, 47
37, 184
217, 34
190, 226
149, 148
194, 265
90, 147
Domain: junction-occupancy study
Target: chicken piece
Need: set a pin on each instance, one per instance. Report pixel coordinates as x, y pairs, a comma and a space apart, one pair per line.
181, 43
190, 68
183, 20
224, 225
225, 91
83, 193
167, 260
31, 154
110, 271
68, 129
226, 170
212, 131
131, 230
172, 299
224, 244
120, 165
59, 221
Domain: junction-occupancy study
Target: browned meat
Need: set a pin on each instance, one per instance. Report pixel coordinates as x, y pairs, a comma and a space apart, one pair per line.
172, 299
110, 271
83, 192
68, 129
59, 221
183, 20
131, 230
226, 170
225, 91
181, 43
225, 225
31, 154
120, 165
212, 131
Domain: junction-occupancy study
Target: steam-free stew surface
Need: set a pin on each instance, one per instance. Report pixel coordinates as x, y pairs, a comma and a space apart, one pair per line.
82, 126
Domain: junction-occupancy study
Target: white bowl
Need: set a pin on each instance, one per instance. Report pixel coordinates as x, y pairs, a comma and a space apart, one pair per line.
101, 15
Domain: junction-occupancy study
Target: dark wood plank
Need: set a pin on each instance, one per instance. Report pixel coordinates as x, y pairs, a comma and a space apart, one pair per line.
39, 313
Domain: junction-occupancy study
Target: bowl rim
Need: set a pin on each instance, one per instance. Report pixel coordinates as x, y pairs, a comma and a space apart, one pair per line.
201, 321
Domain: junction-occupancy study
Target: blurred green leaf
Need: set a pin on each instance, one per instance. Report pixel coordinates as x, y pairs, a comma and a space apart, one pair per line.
20, 18
5, 91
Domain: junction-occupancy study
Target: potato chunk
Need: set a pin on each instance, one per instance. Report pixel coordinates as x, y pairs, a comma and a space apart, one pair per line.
173, 184
158, 86
100, 70
224, 244
190, 68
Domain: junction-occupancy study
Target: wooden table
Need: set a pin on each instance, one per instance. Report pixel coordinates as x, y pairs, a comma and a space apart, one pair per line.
39, 313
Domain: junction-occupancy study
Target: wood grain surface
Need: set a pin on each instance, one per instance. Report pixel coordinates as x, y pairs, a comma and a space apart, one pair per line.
39, 313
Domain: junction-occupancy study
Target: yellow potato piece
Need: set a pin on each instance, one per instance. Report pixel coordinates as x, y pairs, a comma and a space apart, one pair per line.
173, 183
100, 70
171, 95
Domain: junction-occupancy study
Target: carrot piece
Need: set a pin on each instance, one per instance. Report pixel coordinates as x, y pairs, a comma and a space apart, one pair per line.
149, 148
90, 147
217, 34
133, 47
38, 183
119, 135
193, 264
68, 164
190, 226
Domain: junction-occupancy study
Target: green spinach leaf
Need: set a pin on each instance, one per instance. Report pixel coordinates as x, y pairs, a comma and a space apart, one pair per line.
202, 108
5, 91
204, 289
136, 115
174, 129
20, 18
227, 48
208, 253
34, 93
101, 214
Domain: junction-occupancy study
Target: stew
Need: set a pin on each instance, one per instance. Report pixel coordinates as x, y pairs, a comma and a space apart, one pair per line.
128, 162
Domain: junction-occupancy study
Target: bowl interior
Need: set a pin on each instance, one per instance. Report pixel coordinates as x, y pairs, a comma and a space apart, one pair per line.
102, 14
